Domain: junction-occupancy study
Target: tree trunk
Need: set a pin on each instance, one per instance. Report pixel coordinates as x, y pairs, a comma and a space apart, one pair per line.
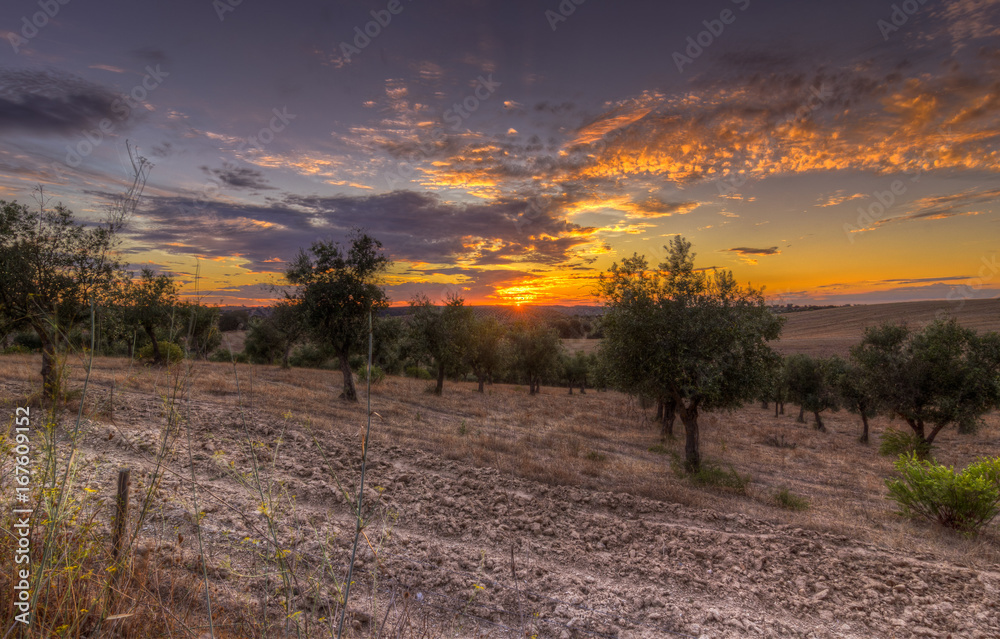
284, 359
667, 421
764, 404
349, 394
659, 410
782, 408
440, 380
775, 409
801, 419
571, 388
482, 382
692, 456
819, 422
583, 390
157, 355
864, 433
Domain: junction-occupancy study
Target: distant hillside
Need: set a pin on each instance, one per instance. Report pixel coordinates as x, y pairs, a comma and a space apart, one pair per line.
832, 331
513, 313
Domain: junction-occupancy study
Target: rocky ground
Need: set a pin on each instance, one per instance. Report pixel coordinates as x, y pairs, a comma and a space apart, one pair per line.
451, 549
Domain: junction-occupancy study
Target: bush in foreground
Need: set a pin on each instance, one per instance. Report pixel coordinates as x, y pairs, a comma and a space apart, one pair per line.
966, 501
897, 442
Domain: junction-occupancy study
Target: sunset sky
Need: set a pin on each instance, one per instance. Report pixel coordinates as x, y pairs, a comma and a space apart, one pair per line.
509, 151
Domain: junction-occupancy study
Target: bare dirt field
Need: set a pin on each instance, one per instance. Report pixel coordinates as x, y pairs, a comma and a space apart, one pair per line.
832, 331
502, 514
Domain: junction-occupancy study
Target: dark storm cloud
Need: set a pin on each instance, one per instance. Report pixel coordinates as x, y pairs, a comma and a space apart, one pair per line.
412, 226
53, 103
239, 177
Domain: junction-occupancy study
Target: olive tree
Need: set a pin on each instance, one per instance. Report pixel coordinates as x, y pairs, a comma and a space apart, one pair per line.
942, 375
151, 300
338, 289
442, 333
698, 338
485, 353
812, 384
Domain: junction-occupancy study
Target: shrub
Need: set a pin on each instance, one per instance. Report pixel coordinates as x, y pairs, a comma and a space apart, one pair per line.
709, 474
171, 352
221, 355
418, 372
966, 501
378, 375
659, 449
786, 499
308, 356
896, 442
29, 340
16, 349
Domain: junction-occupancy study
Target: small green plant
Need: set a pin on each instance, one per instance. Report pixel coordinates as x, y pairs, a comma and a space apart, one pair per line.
896, 442
417, 372
786, 499
596, 456
378, 375
463, 429
659, 449
711, 475
171, 352
966, 501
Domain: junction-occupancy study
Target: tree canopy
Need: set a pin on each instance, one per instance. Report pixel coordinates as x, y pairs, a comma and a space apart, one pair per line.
679, 332
338, 289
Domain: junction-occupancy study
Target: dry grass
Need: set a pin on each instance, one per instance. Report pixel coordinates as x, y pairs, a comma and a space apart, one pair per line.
600, 441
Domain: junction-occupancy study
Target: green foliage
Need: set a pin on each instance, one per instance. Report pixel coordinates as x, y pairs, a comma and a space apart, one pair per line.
442, 334
418, 372
812, 383
486, 355
16, 349
28, 340
170, 352
966, 501
263, 345
897, 442
710, 474
198, 326
378, 375
309, 355
659, 449
684, 333
786, 499
53, 271
221, 355
536, 350
943, 375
